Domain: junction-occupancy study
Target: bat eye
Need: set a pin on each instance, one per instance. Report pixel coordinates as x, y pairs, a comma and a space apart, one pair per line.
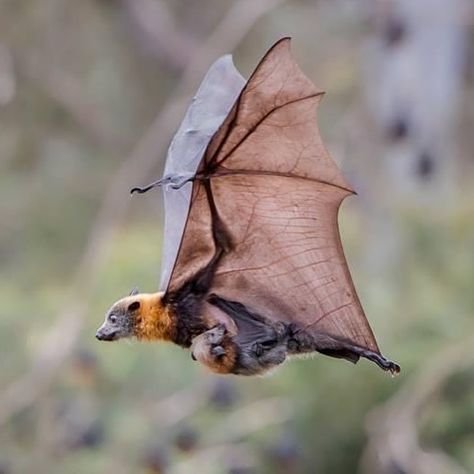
113, 318
134, 306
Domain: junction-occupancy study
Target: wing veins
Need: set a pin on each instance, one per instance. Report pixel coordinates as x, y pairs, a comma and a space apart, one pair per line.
228, 172
255, 127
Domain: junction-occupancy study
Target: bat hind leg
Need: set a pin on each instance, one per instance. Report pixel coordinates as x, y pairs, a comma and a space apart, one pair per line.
379, 359
301, 341
354, 353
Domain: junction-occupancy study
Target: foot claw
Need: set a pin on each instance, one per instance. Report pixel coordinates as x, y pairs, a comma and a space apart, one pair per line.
393, 368
382, 362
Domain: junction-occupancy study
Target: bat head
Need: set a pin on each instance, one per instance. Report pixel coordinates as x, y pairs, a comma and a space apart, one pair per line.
140, 315
120, 319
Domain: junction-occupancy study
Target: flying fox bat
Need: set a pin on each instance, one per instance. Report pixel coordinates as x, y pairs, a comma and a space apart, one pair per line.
253, 269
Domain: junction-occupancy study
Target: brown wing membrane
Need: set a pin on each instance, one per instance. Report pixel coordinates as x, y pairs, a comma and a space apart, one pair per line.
276, 193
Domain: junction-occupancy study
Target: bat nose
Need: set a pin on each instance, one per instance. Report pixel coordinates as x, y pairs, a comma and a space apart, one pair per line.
102, 335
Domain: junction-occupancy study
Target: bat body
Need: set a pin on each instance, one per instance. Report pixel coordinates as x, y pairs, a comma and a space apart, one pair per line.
253, 269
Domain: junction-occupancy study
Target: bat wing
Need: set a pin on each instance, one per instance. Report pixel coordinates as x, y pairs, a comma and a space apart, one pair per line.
270, 193
210, 106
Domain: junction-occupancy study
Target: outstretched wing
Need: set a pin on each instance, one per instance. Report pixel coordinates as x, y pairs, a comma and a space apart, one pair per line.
215, 97
275, 193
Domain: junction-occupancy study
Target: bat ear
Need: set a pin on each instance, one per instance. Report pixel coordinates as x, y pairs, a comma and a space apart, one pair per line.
134, 291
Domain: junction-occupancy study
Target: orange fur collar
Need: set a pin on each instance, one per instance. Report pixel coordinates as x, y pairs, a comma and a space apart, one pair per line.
154, 320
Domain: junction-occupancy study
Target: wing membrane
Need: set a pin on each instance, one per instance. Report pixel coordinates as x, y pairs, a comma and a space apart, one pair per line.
210, 106
277, 192
287, 261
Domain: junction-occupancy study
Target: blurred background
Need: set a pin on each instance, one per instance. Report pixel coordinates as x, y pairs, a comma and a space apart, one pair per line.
90, 94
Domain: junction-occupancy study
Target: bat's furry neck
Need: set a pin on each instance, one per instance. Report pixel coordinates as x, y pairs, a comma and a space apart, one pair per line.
154, 320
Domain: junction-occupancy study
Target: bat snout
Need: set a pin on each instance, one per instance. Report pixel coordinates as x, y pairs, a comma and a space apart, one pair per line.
106, 334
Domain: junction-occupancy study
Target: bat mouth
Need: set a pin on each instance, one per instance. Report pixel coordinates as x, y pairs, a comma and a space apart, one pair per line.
106, 336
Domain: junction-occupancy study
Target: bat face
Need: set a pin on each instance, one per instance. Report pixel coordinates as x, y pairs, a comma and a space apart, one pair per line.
140, 315
120, 319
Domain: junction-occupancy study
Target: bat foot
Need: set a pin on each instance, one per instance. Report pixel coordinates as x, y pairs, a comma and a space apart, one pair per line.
394, 369
335, 347
382, 362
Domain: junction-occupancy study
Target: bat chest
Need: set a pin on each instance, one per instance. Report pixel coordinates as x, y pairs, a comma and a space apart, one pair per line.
189, 321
